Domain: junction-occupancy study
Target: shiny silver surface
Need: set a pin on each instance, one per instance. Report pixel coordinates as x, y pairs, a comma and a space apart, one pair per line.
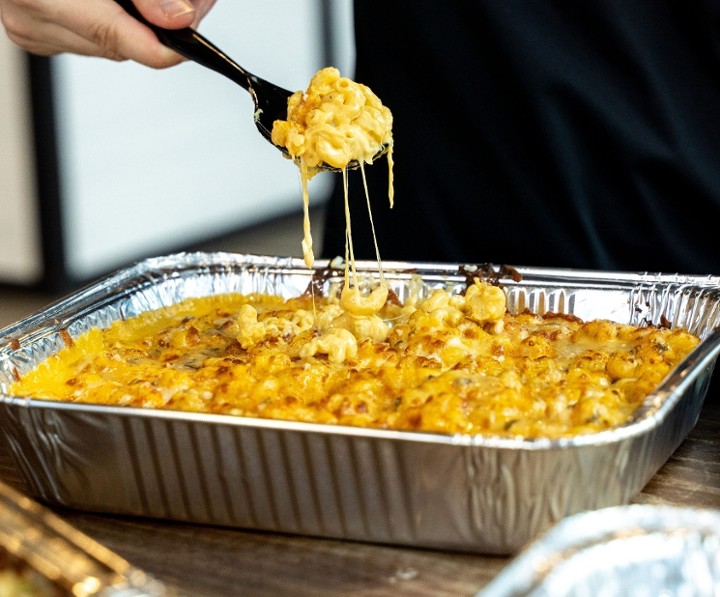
640, 550
65, 557
484, 494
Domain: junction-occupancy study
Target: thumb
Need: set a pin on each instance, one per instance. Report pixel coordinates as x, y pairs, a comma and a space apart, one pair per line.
168, 14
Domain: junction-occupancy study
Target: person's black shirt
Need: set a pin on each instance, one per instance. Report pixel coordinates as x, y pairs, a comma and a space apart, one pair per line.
550, 133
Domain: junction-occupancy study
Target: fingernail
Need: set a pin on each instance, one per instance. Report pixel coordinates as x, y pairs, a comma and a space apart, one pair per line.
176, 8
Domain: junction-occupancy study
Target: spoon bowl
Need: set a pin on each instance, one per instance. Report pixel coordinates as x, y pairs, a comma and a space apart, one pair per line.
270, 100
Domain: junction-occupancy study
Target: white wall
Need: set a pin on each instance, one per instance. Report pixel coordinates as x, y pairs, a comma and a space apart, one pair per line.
20, 251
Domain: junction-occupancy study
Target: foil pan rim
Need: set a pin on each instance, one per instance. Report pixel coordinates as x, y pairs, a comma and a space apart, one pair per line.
581, 532
204, 258
656, 407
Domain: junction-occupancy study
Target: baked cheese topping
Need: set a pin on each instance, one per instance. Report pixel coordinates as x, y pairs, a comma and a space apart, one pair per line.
335, 122
450, 363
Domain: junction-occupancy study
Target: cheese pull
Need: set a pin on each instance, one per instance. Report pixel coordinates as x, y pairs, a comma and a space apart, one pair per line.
342, 124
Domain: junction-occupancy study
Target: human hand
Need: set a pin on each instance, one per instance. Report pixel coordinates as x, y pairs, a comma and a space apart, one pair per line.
99, 27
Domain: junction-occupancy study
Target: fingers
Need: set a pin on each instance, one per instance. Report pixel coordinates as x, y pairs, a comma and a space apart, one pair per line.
121, 34
98, 27
168, 14
117, 34
51, 39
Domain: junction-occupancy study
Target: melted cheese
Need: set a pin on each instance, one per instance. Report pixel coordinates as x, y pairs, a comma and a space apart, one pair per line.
335, 122
450, 363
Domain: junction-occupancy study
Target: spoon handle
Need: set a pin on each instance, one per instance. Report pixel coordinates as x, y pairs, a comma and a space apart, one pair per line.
189, 43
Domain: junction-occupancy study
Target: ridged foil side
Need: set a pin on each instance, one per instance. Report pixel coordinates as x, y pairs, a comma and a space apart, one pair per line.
470, 493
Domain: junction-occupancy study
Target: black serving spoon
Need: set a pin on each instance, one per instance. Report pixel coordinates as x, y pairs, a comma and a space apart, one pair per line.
271, 101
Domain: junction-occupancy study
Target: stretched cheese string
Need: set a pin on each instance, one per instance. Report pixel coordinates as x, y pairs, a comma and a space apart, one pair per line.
349, 248
370, 216
337, 121
308, 255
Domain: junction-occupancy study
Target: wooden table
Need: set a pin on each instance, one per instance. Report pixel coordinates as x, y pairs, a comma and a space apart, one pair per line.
207, 561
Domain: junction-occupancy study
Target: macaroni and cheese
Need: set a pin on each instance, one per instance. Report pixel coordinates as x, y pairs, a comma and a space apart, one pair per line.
335, 122
449, 363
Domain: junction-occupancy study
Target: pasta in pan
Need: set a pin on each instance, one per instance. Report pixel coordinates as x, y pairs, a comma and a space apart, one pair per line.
449, 363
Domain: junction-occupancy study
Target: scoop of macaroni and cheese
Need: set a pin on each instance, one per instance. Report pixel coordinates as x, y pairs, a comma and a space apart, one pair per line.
336, 121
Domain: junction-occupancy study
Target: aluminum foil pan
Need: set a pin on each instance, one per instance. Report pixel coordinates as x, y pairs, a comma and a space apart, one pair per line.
475, 493
55, 559
626, 550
